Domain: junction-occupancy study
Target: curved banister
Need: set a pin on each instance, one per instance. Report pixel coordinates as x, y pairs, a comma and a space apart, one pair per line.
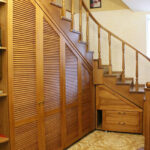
126, 43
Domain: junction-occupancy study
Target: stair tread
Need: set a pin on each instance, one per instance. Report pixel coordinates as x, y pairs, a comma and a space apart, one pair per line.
82, 42
65, 18
140, 89
114, 74
58, 5
125, 82
74, 31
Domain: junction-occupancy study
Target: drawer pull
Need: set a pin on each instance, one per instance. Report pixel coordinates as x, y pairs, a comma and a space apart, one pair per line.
121, 113
122, 123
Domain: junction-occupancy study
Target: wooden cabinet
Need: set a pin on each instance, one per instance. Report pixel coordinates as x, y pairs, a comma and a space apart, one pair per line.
4, 121
116, 113
123, 121
51, 104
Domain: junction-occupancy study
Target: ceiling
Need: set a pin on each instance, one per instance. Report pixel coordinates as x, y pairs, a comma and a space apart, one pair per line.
138, 5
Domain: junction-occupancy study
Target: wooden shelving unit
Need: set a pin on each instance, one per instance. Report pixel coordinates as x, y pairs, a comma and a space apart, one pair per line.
4, 104
2, 1
3, 48
3, 94
3, 140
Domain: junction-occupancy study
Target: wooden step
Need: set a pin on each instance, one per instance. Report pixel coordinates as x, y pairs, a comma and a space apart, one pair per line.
58, 5
125, 82
65, 18
83, 42
74, 31
139, 89
114, 74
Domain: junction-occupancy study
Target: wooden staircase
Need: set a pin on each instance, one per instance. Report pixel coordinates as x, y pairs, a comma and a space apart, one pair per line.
126, 87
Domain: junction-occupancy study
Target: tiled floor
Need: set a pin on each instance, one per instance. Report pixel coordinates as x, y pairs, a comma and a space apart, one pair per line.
99, 140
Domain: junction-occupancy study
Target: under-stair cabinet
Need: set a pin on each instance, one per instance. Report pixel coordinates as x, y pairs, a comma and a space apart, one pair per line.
47, 100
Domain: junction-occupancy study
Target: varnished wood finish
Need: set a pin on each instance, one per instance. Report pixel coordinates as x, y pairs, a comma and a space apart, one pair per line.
123, 62
4, 103
99, 48
118, 113
72, 15
80, 19
122, 121
147, 118
87, 31
63, 13
51, 103
137, 70
3, 140
109, 45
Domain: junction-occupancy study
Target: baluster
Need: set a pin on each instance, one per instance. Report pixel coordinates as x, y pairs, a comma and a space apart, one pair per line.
99, 48
80, 19
72, 15
87, 31
137, 71
123, 61
109, 42
63, 13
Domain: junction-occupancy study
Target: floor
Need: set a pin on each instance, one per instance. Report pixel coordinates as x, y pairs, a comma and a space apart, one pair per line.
100, 140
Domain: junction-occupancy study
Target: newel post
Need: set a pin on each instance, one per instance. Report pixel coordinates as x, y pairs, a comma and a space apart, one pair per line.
147, 117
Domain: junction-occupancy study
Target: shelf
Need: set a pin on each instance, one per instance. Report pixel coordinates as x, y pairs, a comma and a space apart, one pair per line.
3, 140
3, 1
3, 94
3, 48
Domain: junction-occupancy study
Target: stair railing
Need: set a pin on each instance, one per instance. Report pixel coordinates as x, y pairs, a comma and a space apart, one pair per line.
124, 44
110, 35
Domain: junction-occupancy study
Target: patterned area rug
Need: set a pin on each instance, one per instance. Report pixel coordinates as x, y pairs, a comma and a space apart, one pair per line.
99, 140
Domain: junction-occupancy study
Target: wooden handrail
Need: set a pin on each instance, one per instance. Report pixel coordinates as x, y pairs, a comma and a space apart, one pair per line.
112, 34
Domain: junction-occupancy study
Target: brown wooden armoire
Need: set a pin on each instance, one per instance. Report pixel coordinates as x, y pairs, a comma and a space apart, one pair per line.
49, 96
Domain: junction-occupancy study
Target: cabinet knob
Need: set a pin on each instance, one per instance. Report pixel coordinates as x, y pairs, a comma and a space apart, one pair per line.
121, 113
122, 123
41, 102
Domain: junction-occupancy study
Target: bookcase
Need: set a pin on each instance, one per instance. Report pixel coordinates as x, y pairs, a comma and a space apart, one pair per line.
4, 121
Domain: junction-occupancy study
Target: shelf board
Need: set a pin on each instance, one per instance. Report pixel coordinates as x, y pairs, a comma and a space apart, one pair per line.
2, 1
3, 140
3, 94
3, 48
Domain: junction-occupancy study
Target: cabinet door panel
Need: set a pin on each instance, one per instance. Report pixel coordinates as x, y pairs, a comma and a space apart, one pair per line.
72, 122
24, 75
52, 104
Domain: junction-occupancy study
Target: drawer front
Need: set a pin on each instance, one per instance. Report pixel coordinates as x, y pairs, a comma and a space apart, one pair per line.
122, 121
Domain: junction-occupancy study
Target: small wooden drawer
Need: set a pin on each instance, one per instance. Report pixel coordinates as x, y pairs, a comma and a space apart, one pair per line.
122, 121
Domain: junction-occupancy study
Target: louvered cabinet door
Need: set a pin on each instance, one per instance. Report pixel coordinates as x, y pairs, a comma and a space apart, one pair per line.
24, 76
71, 71
87, 101
52, 104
